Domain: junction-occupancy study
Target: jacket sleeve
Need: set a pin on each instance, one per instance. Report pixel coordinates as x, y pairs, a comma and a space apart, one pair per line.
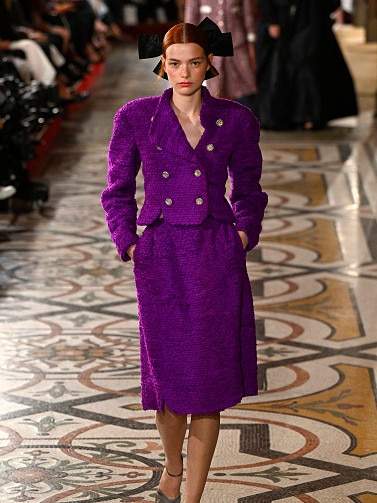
245, 166
249, 21
118, 199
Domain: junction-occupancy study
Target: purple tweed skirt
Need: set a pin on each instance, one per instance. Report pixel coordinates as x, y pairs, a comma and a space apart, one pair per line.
197, 328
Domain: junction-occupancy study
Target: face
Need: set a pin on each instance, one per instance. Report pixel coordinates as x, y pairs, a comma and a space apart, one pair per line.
186, 66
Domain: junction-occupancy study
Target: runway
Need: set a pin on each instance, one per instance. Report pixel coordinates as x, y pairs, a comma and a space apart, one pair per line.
71, 426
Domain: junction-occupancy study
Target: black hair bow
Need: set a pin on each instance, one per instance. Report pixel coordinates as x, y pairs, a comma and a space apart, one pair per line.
220, 44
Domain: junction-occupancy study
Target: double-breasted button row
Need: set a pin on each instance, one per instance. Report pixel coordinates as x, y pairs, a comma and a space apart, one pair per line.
169, 201
166, 174
199, 201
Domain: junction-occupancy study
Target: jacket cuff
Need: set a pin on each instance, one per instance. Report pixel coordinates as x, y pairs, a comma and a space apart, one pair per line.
122, 250
252, 231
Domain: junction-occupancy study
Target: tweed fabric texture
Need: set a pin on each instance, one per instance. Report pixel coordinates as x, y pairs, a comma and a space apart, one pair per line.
195, 304
147, 131
197, 333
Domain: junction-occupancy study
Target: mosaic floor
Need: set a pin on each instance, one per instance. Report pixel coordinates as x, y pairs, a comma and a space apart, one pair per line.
71, 427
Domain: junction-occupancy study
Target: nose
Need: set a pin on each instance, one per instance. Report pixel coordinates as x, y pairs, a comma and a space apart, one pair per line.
184, 71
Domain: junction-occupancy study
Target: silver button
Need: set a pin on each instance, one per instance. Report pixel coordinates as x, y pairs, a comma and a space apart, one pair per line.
199, 201
165, 174
210, 147
159, 148
197, 172
168, 201
219, 122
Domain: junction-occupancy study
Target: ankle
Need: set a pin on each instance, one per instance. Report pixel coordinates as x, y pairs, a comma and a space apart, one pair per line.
174, 468
170, 486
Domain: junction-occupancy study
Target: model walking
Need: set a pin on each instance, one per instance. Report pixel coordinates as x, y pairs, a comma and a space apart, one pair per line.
197, 330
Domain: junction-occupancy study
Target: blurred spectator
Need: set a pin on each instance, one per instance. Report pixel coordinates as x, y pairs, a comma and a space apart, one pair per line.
105, 21
31, 13
117, 9
237, 74
272, 54
345, 14
7, 191
30, 59
78, 16
147, 10
303, 79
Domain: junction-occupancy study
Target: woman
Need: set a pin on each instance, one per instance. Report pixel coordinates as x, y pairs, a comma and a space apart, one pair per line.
321, 81
303, 79
195, 304
273, 69
237, 75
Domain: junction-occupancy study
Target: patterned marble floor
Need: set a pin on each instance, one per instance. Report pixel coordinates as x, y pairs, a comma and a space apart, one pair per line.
71, 427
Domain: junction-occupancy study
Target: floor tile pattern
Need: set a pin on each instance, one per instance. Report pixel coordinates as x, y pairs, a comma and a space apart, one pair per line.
71, 426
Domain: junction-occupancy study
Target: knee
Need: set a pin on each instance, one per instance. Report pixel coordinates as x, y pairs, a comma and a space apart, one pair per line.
168, 416
204, 417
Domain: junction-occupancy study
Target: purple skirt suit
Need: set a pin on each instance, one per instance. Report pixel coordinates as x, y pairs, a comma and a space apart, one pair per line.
197, 328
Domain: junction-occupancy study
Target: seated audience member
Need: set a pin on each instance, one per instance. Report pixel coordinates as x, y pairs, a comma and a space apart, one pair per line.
34, 63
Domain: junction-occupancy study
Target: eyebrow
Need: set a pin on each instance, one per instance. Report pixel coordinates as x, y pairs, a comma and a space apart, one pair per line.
179, 60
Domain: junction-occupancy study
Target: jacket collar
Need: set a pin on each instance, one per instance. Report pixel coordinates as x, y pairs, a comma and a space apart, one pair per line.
165, 130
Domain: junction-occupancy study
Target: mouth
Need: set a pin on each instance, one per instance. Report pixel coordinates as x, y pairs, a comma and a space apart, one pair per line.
184, 84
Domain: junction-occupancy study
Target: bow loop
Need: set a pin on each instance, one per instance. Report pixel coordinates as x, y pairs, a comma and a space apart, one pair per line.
150, 46
220, 44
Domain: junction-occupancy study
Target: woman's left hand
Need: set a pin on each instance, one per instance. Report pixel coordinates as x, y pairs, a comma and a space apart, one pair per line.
244, 238
130, 251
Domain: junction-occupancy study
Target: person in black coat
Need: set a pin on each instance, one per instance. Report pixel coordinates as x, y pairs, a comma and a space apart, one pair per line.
302, 77
272, 56
321, 80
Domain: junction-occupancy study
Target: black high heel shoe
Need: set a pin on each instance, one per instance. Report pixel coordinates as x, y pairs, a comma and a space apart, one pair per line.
160, 496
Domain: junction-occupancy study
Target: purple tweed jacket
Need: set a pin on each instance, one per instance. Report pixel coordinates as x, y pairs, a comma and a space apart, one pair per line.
184, 184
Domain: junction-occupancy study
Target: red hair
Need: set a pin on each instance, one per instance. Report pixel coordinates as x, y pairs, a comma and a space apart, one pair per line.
187, 33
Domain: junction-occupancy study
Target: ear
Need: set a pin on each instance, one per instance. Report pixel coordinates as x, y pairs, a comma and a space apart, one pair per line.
209, 60
163, 61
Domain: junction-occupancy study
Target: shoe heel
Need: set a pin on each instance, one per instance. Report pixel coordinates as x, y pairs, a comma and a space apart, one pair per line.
161, 498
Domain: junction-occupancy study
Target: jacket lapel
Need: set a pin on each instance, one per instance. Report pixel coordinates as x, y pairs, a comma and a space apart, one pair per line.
166, 132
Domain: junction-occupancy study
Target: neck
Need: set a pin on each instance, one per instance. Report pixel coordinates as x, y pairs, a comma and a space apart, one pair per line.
187, 105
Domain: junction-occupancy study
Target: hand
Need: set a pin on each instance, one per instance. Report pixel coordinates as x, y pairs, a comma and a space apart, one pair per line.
130, 251
274, 30
38, 36
4, 45
244, 238
64, 7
